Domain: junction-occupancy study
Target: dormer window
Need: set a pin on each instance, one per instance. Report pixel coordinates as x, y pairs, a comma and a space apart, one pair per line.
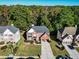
67, 37
5, 34
10, 34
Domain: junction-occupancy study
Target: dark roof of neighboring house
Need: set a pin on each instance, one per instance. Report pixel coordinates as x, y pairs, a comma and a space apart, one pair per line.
11, 28
68, 30
77, 31
41, 29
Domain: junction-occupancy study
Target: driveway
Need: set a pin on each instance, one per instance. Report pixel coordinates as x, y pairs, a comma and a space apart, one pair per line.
72, 52
46, 52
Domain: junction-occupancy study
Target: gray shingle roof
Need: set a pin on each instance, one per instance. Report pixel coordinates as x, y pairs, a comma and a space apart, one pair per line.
40, 29
69, 30
11, 28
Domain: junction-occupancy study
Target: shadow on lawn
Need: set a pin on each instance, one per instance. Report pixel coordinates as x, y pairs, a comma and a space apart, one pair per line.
53, 36
60, 47
25, 36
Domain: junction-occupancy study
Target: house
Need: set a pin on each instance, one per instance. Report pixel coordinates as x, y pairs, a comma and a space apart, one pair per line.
9, 34
38, 33
77, 34
68, 34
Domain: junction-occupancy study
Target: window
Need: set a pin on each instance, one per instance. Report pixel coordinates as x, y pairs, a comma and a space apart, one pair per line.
34, 37
10, 34
67, 37
29, 34
5, 34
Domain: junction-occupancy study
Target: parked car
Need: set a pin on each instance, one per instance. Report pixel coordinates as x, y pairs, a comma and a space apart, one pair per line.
70, 46
59, 57
63, 57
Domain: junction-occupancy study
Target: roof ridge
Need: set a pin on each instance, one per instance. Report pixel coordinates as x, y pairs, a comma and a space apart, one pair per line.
11, 28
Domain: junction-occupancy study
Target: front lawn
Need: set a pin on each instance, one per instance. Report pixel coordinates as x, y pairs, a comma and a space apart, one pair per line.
56, 51
27, 50
5, 51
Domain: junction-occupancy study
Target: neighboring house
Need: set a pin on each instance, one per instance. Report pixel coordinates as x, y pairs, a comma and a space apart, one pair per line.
38, 33
77, 34
68, 34
9, 34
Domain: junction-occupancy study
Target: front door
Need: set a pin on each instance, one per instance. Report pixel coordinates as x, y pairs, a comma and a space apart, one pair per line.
30, 38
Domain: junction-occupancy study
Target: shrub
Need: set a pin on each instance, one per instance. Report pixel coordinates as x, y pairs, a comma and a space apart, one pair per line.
1, 43
4, 47
15, 50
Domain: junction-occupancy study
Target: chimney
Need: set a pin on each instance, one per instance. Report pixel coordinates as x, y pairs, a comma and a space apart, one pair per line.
12, 24
32, 25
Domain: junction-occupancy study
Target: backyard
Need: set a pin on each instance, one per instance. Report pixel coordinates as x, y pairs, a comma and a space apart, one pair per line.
23, 49
56, 51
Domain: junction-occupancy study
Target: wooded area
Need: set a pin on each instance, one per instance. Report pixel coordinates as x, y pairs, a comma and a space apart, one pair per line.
54, 17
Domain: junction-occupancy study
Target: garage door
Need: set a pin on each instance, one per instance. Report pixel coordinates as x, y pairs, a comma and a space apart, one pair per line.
67, 41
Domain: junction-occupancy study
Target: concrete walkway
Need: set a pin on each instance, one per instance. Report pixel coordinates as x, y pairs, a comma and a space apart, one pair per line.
46, 52
72, 52
16, 57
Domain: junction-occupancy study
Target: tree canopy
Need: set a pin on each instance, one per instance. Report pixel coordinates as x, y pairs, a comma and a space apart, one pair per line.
54, 17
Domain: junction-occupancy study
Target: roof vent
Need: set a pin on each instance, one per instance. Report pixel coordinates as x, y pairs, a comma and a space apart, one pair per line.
32, 25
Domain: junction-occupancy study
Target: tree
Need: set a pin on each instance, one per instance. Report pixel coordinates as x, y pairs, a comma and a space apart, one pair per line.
54, 17
67, 17
45, 21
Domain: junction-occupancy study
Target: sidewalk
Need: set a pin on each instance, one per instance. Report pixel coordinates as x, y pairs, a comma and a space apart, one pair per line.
15, 57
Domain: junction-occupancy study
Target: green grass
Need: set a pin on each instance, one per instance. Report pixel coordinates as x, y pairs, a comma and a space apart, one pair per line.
5, 52
77, 49
27, 50
56, 51
23, 49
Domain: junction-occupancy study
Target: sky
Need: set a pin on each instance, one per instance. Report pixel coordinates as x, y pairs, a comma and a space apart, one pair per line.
40, 2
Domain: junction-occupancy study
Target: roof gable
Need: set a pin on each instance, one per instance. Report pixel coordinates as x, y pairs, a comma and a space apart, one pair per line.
7, 31
68, 30
31, 30
11, 28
